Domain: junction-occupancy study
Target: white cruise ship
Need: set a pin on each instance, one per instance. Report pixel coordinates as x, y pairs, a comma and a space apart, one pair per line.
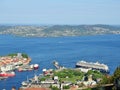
94, 66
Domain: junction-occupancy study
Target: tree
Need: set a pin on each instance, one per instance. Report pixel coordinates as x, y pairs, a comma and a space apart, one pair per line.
54, 88
66, 87
24, 55
117, 73
116, 78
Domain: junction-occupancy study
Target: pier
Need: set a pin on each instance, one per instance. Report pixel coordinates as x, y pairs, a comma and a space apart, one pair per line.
56, 64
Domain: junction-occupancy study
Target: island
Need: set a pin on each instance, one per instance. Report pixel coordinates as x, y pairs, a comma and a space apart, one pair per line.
59, 30
12, 62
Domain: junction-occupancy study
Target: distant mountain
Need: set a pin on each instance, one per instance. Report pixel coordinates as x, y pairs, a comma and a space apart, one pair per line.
59, 30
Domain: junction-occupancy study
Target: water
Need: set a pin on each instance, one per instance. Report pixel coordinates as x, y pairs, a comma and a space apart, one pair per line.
66, 50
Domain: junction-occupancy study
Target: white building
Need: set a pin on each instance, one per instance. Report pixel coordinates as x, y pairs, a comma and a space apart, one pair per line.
7, 68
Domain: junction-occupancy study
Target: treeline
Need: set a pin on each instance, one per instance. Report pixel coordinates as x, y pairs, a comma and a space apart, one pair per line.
15, 54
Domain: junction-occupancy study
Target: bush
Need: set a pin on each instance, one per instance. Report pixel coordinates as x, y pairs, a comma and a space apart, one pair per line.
15, 54
66, 87
24, 55
96, 74
12, 55
55, 88
42, 79
117, 73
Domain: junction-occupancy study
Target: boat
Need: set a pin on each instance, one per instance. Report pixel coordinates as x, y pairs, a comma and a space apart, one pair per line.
7, 74
25, 68
2, 78
93, 66
36, 66
25, 83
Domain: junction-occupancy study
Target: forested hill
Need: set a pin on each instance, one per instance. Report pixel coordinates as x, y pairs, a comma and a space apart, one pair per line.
59, 30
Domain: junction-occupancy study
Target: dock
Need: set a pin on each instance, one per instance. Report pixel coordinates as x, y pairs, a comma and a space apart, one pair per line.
56, 64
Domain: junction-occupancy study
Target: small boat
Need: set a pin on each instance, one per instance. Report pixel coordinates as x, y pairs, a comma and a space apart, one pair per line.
2, 78
36, 66
25, 83
20, 69
7, 74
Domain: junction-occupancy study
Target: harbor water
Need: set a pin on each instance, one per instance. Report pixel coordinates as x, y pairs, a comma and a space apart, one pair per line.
66, 50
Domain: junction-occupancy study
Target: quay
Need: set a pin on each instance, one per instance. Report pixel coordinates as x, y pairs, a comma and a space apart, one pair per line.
53, 78
70, 79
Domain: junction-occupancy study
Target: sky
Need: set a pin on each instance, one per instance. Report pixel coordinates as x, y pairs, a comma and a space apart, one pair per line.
60, 12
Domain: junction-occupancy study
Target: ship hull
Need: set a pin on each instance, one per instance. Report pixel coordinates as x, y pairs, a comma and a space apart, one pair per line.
101, 70
93, 66
7, 74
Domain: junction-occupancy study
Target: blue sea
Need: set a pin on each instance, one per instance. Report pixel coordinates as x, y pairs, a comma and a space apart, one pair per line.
66, 50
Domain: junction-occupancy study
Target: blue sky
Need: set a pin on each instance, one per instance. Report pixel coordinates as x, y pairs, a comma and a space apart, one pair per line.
60, 12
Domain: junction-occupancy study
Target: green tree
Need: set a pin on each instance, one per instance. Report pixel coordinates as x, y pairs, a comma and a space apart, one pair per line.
24, 55
12, 55
66, 87
117, 73
55, 88
42, 79
116, 79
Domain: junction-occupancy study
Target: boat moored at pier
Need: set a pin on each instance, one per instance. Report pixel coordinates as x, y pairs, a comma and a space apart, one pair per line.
93, 66
35, 66
7, 74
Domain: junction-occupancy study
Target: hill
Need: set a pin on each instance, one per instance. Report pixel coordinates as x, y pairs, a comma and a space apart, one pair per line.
59, 30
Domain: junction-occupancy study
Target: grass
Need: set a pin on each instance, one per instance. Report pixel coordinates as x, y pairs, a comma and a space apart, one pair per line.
72, 80
69, 75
